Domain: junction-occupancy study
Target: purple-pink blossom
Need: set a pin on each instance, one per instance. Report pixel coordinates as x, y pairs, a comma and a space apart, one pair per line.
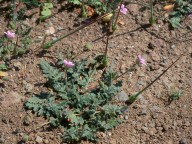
68, 64
123, 9
9, 34
141, 60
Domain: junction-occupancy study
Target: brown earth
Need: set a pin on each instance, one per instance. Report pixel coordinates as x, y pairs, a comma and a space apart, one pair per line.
151, 119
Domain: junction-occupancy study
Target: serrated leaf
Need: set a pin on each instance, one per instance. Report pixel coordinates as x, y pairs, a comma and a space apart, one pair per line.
50, 72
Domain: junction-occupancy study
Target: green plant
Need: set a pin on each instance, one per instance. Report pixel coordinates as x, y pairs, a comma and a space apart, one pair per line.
46, 10
152, 18
175, 95
181, 9
135, 96
16, 46
82, 110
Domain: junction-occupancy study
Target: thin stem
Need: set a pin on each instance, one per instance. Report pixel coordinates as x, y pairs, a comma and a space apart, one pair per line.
133, 97
49, 44
129, 70
115, 23
107, 42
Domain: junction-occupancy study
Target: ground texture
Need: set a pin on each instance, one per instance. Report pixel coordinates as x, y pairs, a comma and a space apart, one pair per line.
151, 119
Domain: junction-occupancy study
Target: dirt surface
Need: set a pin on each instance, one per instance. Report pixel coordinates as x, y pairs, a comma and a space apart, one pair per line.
151, 119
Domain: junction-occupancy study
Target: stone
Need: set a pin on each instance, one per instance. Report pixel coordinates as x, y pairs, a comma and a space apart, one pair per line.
152, 131
145, 129
17, 65
151, 46
46, 141
112, 45
123, 68
126, 117
28, 87
50, 30
173, 46
143, 112
122, 96
39, 139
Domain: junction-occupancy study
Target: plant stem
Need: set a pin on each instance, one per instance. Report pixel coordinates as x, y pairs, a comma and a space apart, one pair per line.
152, 19
49, 44
134, 97
115, 23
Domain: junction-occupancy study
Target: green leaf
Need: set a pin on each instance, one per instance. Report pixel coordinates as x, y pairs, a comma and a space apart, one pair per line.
46, 12
50, 72
175, 22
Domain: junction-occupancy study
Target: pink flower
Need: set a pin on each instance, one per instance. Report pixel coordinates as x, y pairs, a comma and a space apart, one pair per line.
9, 34
141, 60
123, 9
68, 64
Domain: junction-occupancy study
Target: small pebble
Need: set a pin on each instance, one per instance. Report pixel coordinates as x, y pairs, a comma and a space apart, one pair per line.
39, 139
126, 117
122, 97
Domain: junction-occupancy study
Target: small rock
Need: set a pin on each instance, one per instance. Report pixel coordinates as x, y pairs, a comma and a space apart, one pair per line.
143, 112
28, 87
17, 65
103, 134
52, 137
152, 131
123, 68
5, 120
109, 133
187, 124
126, 117
46, 141
173, 46
112, 45
138, 19
151, 46
155, 115
122, 96
145, 129
39, 139
50, 30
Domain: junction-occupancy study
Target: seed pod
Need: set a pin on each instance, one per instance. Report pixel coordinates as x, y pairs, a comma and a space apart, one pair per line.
107, 18
168, 7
